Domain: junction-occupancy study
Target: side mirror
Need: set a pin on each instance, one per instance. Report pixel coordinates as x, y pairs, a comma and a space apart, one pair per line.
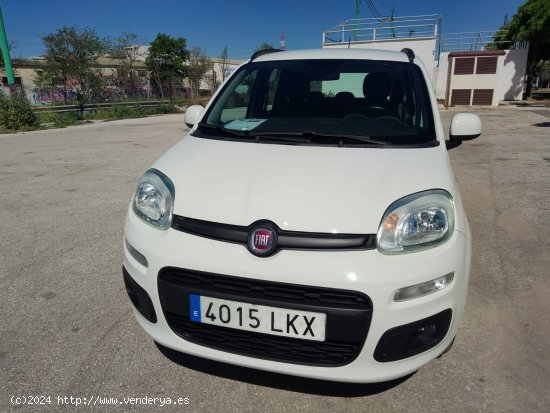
193, 114
464, 127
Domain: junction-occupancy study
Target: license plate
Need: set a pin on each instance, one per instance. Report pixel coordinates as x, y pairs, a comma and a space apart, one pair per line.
277, 321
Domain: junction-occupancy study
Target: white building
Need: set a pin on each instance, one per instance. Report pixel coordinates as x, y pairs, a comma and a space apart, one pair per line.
489, 76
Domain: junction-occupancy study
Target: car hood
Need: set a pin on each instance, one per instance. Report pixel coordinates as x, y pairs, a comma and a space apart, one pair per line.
299, 188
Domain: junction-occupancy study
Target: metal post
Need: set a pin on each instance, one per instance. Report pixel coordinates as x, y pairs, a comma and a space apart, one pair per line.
6, 52
391, 22
357, 6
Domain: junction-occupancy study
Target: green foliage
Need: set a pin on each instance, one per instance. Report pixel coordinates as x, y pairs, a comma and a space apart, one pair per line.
166, 59
16, 112
501, 40
46, 116
163, 109
197, 100
70, 57
129, 112
264, 46
543, 66
62, 120
117, 112
59, 120
531, 23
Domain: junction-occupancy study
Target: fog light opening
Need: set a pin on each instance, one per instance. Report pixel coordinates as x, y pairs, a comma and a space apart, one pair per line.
411, 339
423, 336
139, 297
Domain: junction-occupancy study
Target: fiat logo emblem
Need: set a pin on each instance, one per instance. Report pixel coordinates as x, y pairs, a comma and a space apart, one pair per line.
262, 241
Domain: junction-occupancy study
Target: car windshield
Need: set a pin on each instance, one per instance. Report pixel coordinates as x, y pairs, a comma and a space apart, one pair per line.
350, 102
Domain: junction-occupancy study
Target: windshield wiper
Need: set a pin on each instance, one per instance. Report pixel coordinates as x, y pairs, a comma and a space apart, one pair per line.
330, 138
298, 137
291, 138
224, 130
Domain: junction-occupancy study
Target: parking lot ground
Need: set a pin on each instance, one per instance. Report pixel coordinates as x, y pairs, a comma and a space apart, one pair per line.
67, 328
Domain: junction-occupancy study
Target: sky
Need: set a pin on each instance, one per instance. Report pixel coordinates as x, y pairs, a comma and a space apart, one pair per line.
239, 25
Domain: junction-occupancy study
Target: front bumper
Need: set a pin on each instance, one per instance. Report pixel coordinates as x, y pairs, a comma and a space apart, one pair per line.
368, 273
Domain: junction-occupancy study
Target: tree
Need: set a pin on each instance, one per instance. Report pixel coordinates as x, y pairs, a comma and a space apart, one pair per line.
166, 60
126, 49
264, 46
199, 65
70, 58
224, 64
531, 23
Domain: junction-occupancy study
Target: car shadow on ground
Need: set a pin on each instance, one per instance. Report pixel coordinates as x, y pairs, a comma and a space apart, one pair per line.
276, 380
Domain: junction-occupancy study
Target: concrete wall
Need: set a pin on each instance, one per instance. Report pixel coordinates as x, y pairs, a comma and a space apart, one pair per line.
207, 82
512, 74
441, 76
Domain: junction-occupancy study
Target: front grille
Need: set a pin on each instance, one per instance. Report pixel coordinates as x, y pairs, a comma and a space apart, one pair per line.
286, 240
348, 317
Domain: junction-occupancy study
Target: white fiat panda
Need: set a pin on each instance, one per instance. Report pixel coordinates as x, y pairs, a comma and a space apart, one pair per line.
309, 223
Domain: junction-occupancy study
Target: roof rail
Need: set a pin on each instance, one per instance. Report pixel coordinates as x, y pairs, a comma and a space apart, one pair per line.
259, 53
409, 53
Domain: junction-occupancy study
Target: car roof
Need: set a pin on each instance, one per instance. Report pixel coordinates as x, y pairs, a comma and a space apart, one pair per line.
334, 53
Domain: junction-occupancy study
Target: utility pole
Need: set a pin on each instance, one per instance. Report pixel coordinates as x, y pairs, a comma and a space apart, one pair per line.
392, 22
6, 52
283, 40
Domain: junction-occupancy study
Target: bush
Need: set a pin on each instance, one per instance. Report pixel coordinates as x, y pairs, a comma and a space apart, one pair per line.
46, 116
164, 108
117, 112
16, 112
126, 112
62, 120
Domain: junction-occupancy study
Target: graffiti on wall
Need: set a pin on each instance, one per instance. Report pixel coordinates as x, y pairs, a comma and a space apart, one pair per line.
43, 96
111, 90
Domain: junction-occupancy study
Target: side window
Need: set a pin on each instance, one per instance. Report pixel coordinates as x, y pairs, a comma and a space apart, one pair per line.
236, 106
272, 86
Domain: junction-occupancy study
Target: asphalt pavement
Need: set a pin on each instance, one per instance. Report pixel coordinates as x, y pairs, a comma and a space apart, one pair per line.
67, 328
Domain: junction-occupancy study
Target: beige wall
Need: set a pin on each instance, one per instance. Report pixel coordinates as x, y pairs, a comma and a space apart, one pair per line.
508, 82
512, 76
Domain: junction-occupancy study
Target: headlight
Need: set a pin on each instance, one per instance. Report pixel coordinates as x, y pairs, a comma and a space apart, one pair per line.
418, 221
154, 199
